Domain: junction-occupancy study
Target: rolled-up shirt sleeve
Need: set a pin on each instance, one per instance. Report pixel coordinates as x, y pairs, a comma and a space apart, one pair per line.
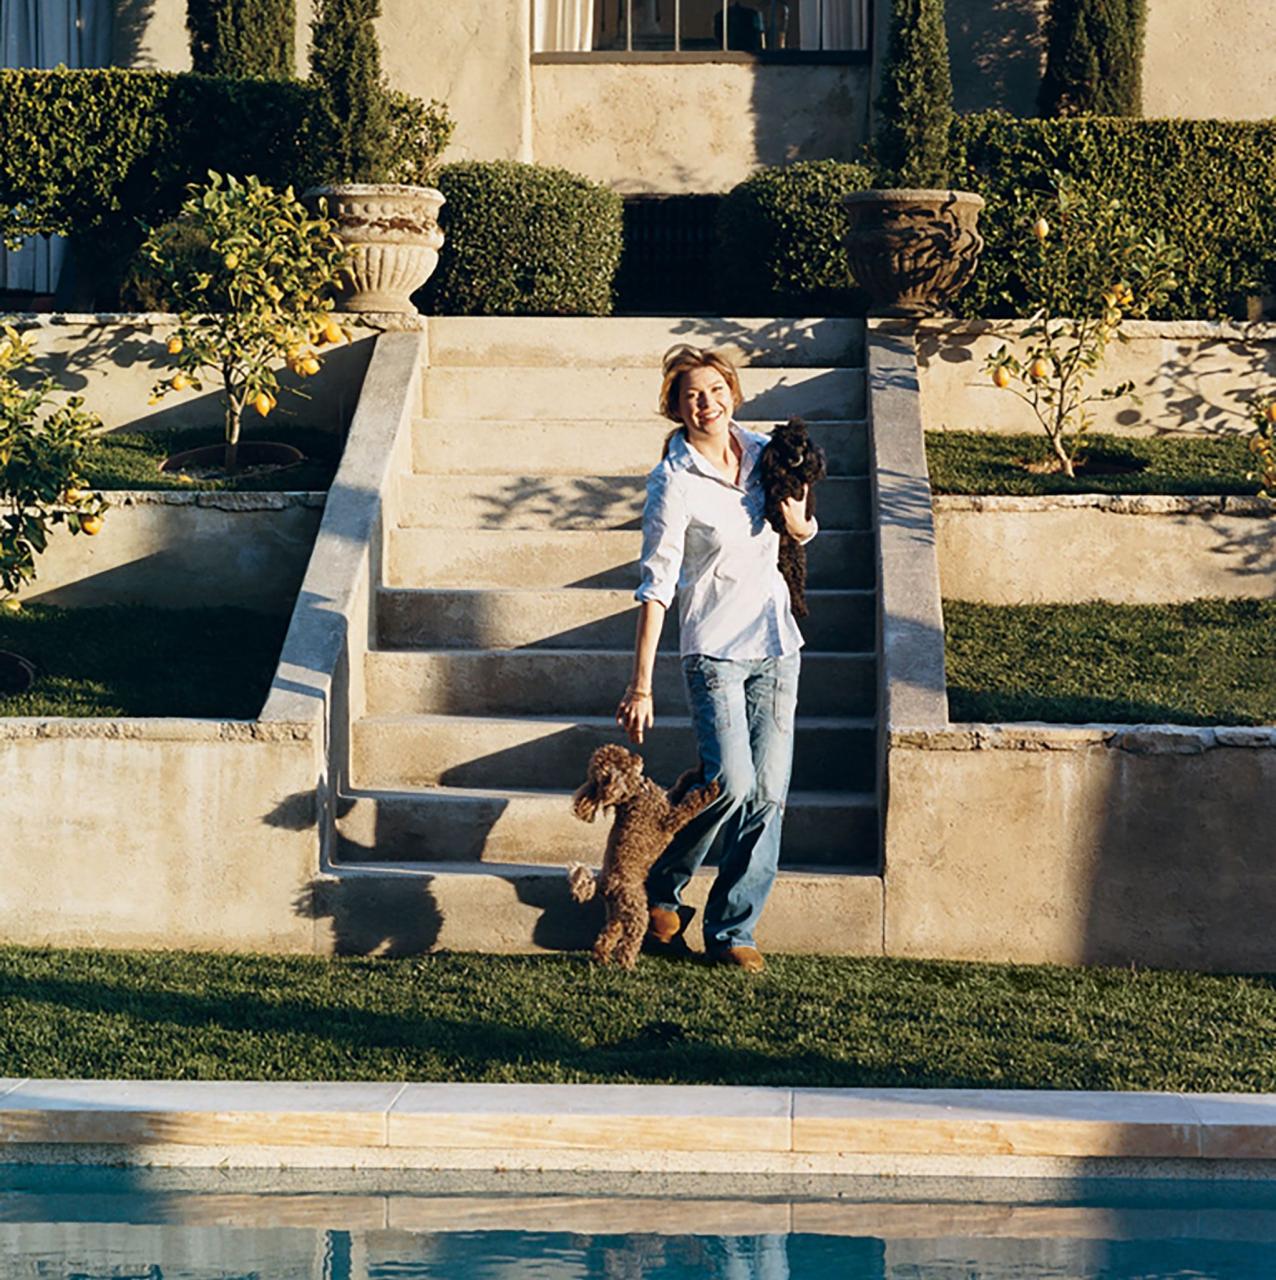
815, 528
664, 527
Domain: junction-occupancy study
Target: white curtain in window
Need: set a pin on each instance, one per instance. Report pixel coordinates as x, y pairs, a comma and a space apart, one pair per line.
834, 24
49, 33
564, 26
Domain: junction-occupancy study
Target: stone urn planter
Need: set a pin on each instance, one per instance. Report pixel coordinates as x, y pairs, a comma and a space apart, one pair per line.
395, 236
912, 250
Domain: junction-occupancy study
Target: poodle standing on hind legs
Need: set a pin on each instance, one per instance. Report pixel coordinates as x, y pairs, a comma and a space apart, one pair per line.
646, 819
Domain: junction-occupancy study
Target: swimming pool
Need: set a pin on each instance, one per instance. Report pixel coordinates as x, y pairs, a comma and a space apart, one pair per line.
131, 1224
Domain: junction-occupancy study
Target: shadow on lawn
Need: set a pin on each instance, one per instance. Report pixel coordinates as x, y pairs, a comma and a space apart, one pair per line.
450, 1048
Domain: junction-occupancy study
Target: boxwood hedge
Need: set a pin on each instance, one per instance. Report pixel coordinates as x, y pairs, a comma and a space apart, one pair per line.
97, 153
779, 240
524, 239
1210, 185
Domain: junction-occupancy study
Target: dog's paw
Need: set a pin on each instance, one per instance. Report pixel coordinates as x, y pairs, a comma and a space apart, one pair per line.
581, 883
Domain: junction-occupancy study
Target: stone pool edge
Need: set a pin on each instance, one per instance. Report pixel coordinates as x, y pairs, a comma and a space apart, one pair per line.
637, 1128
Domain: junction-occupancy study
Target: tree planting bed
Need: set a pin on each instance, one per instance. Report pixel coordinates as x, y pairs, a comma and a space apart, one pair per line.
973, 462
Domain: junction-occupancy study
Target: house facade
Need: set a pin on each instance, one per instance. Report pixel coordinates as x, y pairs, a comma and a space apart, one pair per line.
675, 96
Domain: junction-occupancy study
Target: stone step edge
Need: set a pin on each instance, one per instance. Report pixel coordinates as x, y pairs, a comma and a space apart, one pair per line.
624, 1125
429, 795
622, 594
860, 655
593, 722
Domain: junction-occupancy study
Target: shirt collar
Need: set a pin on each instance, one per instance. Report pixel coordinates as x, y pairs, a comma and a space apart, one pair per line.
684, 458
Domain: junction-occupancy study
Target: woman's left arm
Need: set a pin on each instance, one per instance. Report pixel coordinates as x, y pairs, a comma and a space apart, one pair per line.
801, 527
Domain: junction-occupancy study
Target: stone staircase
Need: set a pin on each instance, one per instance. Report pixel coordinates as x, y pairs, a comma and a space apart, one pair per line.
505, 621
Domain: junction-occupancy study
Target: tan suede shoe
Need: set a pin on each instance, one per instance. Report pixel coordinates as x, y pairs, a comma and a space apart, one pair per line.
663, 925
747, 958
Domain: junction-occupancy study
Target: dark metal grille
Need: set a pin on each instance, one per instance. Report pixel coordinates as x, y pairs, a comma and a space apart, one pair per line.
667, 264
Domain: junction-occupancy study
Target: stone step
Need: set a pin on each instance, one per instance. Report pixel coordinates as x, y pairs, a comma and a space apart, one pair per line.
511, 392
419, 907
580, 618
574, 502
550, 753
570, 682
606, 446
578, 558
454, 825
639, 341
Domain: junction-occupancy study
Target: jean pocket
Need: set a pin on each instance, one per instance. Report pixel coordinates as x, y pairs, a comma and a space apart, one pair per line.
708, 694
784, 694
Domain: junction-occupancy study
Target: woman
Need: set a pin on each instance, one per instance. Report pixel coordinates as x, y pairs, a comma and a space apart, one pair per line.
706, 541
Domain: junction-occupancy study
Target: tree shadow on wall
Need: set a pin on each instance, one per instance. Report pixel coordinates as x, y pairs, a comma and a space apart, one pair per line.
131, 22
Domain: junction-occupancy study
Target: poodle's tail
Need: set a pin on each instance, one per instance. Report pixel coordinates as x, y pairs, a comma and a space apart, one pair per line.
581, 882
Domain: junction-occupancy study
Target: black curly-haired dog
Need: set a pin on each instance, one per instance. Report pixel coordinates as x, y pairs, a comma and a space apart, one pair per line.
791, 462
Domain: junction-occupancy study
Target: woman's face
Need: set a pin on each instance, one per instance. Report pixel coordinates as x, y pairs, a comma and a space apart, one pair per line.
704, 401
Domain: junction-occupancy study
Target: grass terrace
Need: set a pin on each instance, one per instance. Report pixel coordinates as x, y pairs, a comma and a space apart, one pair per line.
807, 1021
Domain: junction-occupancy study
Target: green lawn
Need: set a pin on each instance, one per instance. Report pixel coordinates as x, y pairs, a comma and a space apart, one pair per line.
806, 1021
976, 462
131, 460
126, 660
1206, 662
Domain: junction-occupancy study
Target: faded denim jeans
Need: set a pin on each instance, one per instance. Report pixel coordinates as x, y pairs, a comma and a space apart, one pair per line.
742, 710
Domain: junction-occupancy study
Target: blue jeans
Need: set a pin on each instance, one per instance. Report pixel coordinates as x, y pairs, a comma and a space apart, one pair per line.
743, 711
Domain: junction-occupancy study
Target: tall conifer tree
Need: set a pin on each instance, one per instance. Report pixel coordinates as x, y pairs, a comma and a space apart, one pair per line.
1094, 58
915, 107
243, 38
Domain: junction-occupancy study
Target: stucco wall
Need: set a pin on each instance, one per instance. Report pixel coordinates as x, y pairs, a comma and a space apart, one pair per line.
1091, 845
697, 126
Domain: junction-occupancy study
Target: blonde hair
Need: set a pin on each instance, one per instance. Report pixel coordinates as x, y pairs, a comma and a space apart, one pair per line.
683, 359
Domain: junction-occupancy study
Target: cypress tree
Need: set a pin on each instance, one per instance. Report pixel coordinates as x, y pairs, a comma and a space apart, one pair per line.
1094, 58
243, 38
915, 107
345, 59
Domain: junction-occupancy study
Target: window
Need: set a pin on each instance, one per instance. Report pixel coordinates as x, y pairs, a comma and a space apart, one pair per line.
702, 26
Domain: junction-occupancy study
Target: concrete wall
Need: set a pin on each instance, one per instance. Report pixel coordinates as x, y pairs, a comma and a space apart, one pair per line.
184, 550
114, 361
1141, 550
1192, 377
689, 127
1099, 845
157, 833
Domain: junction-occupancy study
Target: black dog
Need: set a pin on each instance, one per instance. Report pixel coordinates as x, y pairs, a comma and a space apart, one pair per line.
790, 463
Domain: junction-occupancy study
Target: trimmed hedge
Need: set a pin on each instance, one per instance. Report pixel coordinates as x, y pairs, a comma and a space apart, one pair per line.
243, 38
97, 153
524, 239
1209, 185
1094, 58
779, 240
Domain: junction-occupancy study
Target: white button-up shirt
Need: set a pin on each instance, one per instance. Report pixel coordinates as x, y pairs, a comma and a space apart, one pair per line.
708, 542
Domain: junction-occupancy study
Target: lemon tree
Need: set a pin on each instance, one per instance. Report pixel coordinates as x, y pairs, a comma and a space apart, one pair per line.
44, 445
1262, 443
1077, 234
249, 270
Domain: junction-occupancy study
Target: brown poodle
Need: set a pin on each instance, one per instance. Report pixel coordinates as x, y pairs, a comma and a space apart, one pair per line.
791, 462
646, 819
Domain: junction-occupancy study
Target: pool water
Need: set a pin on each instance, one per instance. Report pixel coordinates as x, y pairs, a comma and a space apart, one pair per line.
168, 1225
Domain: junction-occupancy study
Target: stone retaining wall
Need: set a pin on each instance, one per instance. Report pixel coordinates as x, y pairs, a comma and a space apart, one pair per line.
1192, 377
184, 551
1132, 549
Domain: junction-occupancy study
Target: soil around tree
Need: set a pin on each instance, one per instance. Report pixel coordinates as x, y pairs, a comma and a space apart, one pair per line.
255, 459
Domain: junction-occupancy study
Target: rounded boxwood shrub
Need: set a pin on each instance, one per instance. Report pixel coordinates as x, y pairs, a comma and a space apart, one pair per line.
524, 239
779, 240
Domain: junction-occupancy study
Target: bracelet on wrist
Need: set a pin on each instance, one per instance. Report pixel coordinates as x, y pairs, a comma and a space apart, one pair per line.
637, 693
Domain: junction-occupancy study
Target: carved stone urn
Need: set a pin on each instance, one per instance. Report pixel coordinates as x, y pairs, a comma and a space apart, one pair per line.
394, 234
912, 250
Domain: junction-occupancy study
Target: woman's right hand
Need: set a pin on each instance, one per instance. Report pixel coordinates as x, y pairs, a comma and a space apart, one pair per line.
636, 714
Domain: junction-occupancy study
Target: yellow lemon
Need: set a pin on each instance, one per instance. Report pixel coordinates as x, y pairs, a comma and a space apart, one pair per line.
180, 382
1270, 412
1039, 369
92, 525
310, 365
332, 331
1001, 376
175, 345
263, 403
1041, 228
72, 495
231, 260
